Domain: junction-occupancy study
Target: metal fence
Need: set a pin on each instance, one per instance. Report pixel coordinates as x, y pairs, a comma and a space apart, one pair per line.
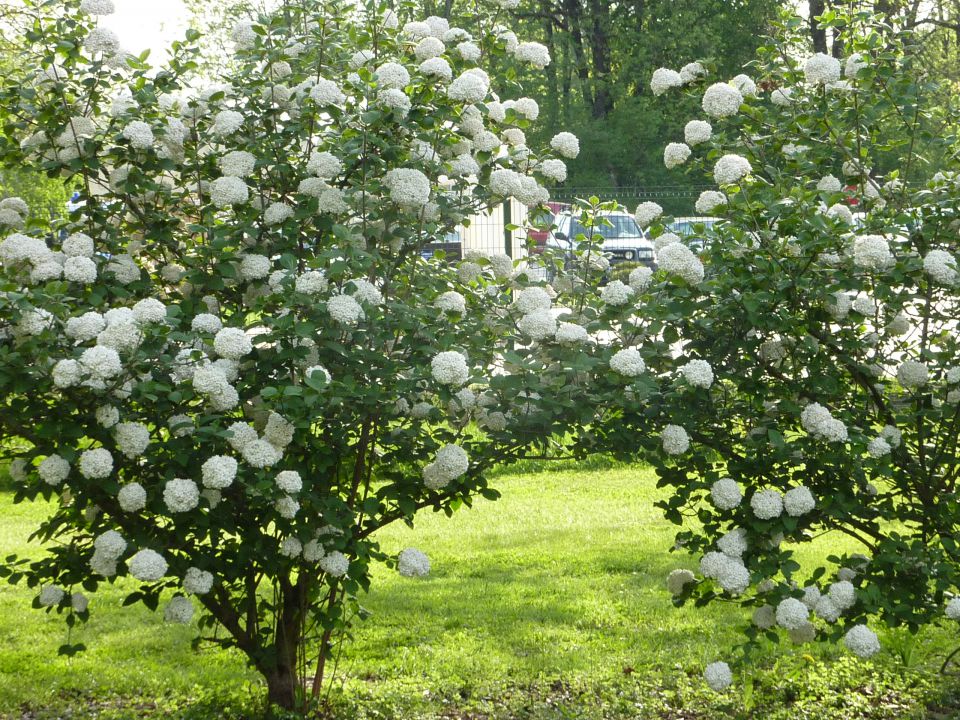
490, 232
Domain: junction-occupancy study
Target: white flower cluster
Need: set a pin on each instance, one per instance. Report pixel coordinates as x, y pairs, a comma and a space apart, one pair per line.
409, 188
450, 368
628, 362
132, 497
53, 470
767, 504
646, 213
663, 80
107, 549
566, 144
678, 579
616, 293
675, 154
820, 423
679, 260
862, 641
941, 266
181, 495
729, 572
725, 494
718, 676
413, 563
731, 169
450, 462
721, 100
179, 610
697, 132
798, 501
913, 374
674, 440
709, 201
698, 373
147, 565
96, 463
872, 252
821, 69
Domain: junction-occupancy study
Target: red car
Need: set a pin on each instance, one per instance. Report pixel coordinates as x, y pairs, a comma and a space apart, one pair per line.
542, 223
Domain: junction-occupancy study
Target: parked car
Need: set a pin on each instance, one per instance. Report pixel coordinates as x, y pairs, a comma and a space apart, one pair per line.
623, 240
692, 230
451, 246
542, 222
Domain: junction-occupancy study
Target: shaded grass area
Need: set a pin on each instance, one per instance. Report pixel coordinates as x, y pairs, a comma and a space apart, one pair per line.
546, 604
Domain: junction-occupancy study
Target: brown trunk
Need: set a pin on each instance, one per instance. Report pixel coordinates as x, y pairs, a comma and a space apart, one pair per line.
574, 16
282, 687
281, 673
600, 53
817, 34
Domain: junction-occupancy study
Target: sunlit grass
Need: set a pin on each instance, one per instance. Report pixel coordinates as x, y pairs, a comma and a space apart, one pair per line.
559, 581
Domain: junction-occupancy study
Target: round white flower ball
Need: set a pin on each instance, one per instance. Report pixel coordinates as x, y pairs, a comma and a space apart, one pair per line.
718, 676
335, 564
862, 641
941, 266
798, 501
725, 494
132, 497
767, 504
678, 579
53, 470
697, 132
197, 581
96, 463
646, 213
731, 169
450, 368
451, 301
413, 563
674, 440
628, 362
792, 614
344, 309
616, 293
51, 596
232, 343
721, 100
952, 610
678, 259
179, 610
821, 69
532, 299
181, 495
566, 144
664, 79
698, 373
147, 565
913, 374
289, 481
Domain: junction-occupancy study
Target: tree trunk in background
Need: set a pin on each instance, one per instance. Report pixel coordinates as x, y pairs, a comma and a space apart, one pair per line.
817, 34
600, 52
553, 94
573, 15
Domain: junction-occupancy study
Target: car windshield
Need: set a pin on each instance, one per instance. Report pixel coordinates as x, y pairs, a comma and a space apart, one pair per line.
685, 228
620, 226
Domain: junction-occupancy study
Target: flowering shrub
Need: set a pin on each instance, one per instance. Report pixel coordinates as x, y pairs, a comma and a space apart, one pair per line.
233, 365
822, 387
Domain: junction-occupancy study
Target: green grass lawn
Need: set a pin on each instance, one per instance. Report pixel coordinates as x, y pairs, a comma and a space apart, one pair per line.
546, 604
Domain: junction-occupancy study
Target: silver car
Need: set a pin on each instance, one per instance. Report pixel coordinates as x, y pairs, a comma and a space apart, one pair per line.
623, 239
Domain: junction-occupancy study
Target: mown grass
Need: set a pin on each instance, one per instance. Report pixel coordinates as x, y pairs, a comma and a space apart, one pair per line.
546, 604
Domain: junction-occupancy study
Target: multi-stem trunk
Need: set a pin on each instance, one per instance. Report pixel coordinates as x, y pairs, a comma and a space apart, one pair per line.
280, 671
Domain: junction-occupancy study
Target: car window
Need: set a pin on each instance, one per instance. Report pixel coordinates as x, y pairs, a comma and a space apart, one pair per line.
621, 226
